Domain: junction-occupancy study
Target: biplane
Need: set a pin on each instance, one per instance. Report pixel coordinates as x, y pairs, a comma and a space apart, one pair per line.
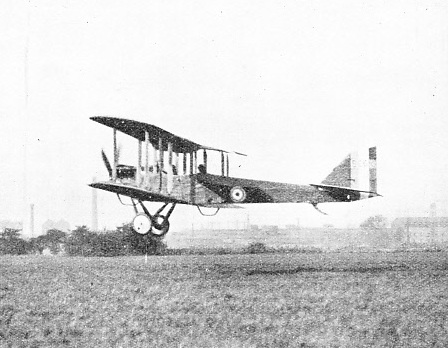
167, 171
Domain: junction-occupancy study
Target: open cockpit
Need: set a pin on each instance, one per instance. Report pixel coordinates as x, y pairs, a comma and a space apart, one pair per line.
166, 170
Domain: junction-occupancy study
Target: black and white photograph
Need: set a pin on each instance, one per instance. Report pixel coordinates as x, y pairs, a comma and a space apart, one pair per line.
222, 174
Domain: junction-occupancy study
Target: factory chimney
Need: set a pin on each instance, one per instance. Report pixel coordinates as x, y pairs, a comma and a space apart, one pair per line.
94, 208
433, 217
32, 220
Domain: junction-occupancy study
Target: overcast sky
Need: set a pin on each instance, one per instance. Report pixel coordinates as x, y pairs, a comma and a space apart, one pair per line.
296, 85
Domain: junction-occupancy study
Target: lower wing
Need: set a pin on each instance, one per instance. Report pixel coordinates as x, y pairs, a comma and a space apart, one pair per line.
135, 192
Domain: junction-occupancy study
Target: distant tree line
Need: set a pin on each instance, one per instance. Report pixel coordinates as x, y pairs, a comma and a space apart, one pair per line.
124, 241
376, 234
12, 243
82, 242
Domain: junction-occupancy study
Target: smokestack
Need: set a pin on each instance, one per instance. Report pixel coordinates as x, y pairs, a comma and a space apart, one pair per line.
32, 219
433, 216
94, 208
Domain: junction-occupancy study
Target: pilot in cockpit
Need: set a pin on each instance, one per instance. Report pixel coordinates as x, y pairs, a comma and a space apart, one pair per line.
202, 169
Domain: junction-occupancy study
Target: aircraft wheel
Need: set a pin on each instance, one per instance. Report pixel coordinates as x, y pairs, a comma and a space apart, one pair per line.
161, 225
142, 224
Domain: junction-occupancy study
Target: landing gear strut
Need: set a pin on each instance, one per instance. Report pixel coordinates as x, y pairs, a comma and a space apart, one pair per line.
157, 224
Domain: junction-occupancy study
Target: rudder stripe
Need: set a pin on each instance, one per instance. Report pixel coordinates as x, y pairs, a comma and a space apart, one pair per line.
372, 169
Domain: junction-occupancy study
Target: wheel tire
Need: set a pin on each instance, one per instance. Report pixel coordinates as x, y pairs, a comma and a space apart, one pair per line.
142, 224
160, 228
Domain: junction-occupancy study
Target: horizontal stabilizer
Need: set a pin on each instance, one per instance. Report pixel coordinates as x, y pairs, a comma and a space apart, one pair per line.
344, 194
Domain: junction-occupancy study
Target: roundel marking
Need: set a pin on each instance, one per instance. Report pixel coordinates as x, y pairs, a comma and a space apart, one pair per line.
237, 194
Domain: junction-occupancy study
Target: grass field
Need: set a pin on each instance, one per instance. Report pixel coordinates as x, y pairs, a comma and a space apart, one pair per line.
264, 300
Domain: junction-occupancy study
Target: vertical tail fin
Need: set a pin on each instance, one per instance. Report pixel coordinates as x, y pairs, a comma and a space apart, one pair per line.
357, 171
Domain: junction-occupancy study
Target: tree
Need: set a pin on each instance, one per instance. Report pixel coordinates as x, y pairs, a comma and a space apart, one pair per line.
12, 243
122, 241
110, 243
54, 239
81, 242
137, 244
10, 234
38, 244
256, 248
377, 222
375, 232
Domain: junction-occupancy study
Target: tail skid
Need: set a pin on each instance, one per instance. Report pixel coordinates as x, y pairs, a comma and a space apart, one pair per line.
320, 211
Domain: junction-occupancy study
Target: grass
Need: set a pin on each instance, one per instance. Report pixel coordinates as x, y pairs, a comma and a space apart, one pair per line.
260, 300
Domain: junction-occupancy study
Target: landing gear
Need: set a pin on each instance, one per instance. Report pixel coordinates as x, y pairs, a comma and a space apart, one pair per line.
157, 224
161, 225
142, 224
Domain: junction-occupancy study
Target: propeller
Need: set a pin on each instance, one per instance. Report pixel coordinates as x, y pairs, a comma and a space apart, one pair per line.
107, 163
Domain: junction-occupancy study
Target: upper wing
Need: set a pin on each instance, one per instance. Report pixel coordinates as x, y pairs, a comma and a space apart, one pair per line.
137, 130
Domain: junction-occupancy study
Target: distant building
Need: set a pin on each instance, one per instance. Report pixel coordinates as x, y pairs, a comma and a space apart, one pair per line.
269, 228
430, 230
11, 224
60, 225
270, 235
